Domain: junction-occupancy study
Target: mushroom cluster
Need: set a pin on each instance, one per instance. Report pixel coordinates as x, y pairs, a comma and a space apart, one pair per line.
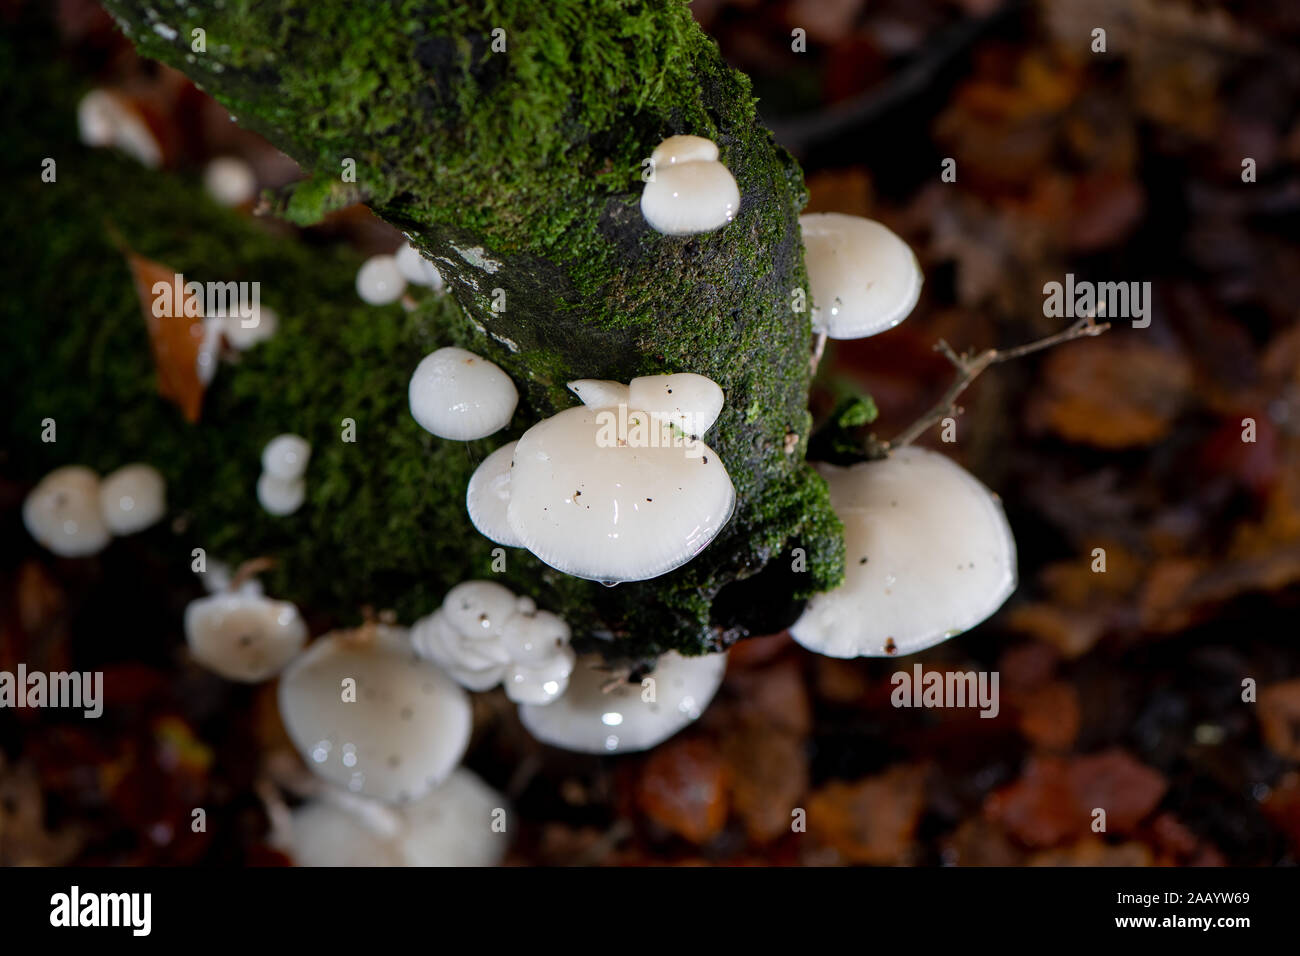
689, 190
484, 635
368, 714
461, 396
928, 552
280, 488
239, 633
864, 278
74, 514
620, 488
601, 714
452, 825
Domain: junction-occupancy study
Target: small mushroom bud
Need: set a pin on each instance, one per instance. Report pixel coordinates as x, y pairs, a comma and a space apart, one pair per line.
691, 402
928, 554
105, 118
599, 393
230, 181
461, 396
379, 281
261, 326
286, 456
416, 269
864, 279
280, 496
488, 497
594, 718
63, 512
541, 658
132, 498
368, 714
242, 635
691, 191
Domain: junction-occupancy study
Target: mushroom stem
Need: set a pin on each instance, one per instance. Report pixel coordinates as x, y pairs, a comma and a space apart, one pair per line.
819, 346
969, 368
250, 569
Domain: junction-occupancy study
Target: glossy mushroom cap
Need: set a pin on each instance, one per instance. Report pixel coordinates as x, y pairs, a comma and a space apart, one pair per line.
864, 278
461, 396
243, 636
132, 498
63, 512
928, 552
487, 497
400, 737
628, 717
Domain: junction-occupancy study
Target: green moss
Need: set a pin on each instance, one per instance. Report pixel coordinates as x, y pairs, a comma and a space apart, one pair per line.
519, 172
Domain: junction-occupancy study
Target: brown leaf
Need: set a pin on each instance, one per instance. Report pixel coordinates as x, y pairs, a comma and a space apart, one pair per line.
1050, 715
175, 340
683, 787
769, 769
873, 820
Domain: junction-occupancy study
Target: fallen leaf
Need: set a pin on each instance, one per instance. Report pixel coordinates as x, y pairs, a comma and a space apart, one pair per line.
175, 340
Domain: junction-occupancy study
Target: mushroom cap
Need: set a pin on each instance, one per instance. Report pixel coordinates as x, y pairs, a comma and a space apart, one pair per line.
98, 114
230, 181
588, 720
474, 664
928, 554
241, 337
132, 498
599, 392
690, 197
402, 735
415, 268
540, 655
450, 826
280, 496
458, 395
864, 278
63, 514
286, 456
597, 509
379, 281
684, 149
243, 636
691, 402
488, 496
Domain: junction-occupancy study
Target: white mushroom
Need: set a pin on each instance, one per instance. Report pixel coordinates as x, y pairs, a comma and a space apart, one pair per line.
230, 181
691, 402
628, 717
484, 634
599, 393
260, 327
488, 497
105, 118
132, 498
416, 269
379, 281
613, 495
286, 456
691, 191
368, 714
458, 395
451, 826
242, 635
280, 496
864, 278
63, 512
928, 553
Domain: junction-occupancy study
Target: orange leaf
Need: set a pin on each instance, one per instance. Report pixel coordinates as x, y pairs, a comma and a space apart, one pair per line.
174, 339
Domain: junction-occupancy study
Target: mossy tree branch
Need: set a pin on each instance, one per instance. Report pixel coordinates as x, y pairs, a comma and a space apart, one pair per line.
520, 171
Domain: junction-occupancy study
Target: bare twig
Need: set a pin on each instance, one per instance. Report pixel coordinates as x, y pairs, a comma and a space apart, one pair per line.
969, 368
819, 346
250, 569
